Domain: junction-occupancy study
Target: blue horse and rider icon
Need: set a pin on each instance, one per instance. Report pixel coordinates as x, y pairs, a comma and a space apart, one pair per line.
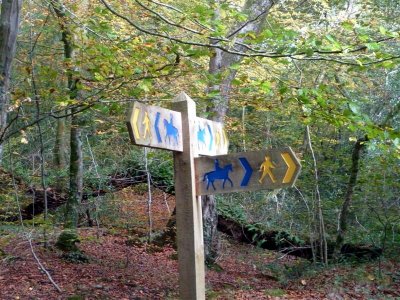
220, 173
171, 131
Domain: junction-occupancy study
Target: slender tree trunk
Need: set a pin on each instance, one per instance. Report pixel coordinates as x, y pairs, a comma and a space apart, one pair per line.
75, 175
220, 63
60, 145
59, 153
344, 214
210, 232
319, 217
149, 195
9, 23
69, 236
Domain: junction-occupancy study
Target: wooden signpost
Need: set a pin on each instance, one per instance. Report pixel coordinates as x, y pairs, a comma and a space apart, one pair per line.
189, 137
248, 171
155, 127
210, 138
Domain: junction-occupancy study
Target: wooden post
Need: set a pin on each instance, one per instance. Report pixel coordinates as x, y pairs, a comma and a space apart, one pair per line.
188, 208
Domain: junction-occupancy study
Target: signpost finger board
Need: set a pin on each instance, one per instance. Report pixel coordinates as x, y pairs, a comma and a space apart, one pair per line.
248, 171
155, 127
210, 137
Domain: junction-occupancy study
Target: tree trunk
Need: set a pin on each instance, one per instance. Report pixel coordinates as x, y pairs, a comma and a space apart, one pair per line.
343, 220
210, 232
69, 236
59, 152
60, 145
9, 23
220, 62
75, 176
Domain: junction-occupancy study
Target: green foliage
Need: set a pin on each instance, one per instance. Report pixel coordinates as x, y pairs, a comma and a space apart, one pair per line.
340, 95
231, 211
67, 241
283, 238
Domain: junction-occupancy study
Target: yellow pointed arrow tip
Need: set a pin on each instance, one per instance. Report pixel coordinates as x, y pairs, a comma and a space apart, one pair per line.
291, 167
225, 138
218, 138
134, 123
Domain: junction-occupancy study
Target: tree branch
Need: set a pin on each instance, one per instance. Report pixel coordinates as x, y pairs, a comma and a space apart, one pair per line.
250, 51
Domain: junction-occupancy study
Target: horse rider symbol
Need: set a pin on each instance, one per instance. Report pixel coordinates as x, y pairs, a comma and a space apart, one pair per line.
220, 173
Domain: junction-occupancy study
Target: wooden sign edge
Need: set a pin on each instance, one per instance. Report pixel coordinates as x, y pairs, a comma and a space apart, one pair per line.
238, 154
130, 129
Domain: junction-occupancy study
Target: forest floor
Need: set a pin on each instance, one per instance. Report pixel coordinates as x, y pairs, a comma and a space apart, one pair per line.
122, 266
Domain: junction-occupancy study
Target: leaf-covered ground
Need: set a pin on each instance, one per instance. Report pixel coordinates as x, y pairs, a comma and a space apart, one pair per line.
122, 267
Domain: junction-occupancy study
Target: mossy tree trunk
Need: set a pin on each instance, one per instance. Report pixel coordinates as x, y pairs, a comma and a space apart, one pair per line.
68, 238
75, 175
344, 214
59, 151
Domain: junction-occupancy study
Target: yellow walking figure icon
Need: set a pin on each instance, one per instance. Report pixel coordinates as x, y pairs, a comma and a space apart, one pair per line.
146, 123
266, 168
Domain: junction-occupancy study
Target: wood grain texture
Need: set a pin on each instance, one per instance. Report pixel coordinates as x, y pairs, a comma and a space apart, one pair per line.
210, 137
188, 209
273, 164
155, 127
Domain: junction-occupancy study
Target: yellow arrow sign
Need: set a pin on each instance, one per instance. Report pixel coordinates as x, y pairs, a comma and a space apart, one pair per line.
211, 137
291, 167
134, 123
246, 171
218, 138
156, 127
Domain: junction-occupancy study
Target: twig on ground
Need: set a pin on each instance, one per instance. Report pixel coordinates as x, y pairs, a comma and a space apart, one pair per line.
42, 267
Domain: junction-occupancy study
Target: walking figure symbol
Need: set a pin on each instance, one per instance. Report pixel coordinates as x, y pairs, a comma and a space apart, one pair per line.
266, 169
218, 174
146, 123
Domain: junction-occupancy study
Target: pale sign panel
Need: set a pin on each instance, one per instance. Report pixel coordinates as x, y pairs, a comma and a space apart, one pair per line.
247, 171
155, 127
210, 137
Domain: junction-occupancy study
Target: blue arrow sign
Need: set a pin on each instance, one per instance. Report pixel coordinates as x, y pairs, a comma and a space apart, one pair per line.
211, 136
248, 171
159, 139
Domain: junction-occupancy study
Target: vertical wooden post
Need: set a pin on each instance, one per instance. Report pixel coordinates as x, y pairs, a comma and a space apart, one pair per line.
188, 208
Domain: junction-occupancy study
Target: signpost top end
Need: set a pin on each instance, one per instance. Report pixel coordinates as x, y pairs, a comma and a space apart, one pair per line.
183, 97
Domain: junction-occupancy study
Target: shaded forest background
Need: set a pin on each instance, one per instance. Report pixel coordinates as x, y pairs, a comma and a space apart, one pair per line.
322, 77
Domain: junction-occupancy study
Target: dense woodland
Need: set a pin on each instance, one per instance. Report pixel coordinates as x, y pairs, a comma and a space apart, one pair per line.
322, 77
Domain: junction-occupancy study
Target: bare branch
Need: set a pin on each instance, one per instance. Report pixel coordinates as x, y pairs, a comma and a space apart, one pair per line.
166, 20
250, 51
